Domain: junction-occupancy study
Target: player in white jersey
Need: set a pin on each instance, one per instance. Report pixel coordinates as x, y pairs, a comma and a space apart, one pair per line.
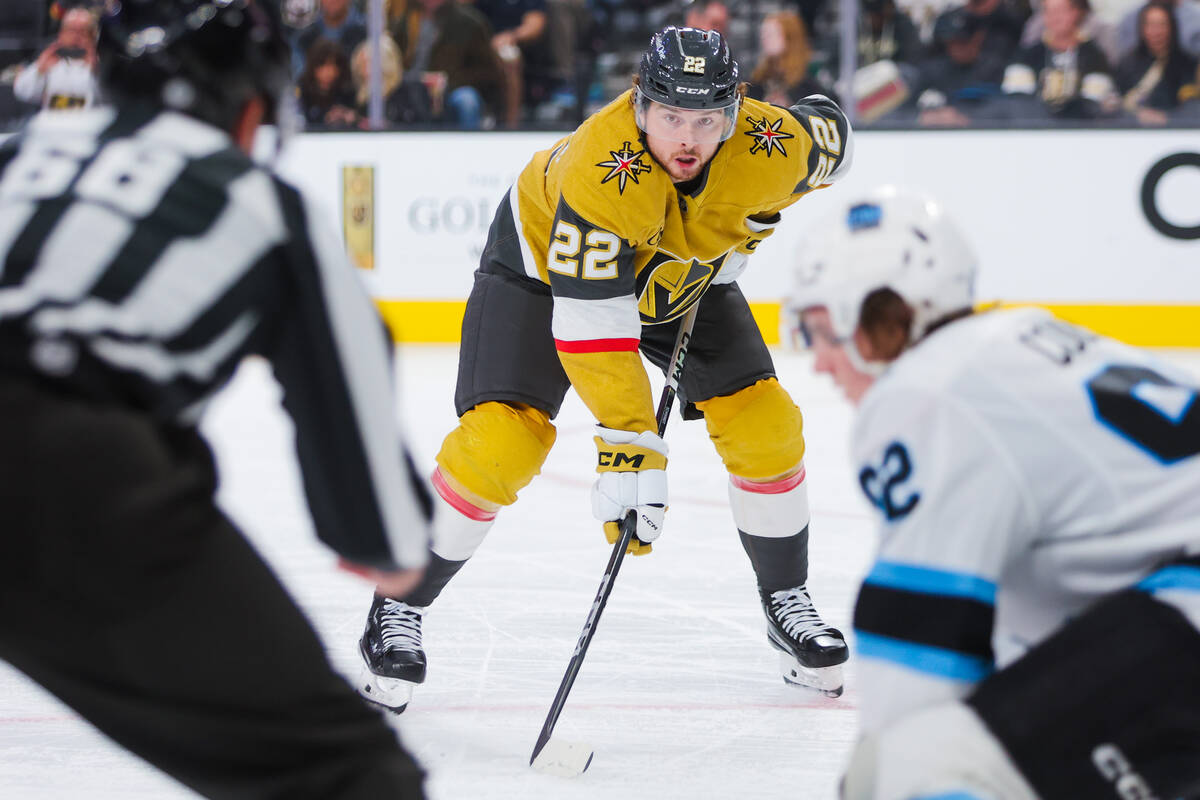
1029, 627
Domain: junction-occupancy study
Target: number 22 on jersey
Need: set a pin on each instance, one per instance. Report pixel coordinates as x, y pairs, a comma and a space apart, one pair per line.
600, 251
881, 483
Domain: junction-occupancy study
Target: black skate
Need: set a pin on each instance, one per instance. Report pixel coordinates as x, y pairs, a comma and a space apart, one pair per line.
393, 661
812, 652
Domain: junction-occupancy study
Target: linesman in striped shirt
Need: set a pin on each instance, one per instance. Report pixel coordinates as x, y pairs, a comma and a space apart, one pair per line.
142, 256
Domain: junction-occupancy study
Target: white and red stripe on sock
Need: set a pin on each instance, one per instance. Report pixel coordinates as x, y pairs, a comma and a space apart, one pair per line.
772, 509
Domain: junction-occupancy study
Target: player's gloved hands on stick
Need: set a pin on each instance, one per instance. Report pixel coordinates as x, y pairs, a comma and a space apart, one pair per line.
633, 476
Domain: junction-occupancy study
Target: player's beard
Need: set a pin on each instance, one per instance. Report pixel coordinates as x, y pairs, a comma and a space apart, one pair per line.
682, 163
685, 164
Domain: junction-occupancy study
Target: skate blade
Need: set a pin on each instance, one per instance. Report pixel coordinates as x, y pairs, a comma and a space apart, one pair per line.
390, 693
826, 680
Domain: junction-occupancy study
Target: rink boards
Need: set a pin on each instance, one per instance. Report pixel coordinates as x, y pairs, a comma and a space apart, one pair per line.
1103, 226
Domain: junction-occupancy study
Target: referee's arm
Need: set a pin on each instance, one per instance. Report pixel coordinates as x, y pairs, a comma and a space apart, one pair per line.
332, 355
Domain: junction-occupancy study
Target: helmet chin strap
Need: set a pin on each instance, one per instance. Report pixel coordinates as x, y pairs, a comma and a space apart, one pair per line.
872, 368
844, 319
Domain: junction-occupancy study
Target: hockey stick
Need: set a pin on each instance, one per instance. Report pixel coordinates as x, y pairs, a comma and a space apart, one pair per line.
564, 758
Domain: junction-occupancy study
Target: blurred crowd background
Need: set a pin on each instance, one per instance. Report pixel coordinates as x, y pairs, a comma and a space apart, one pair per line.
547, 64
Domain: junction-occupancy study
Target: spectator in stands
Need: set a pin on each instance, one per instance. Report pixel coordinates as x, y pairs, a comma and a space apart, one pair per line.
325, 87
924, 14
889, 52
1101, 31
1066, 71
1153, 76
960, 76
519, 31
397, 15
1187, 23
781, 76
810, 12
1188, 111
715, 15
447, 48
571, 48
339, 22
708, 15
403, 103
885, 33
1002, 22
64, 74
298, 14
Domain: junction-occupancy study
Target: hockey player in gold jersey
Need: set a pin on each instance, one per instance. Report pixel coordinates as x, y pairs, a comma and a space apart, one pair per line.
652, 205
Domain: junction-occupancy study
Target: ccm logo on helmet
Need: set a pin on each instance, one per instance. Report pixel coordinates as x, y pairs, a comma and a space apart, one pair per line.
691, 90
1150, 199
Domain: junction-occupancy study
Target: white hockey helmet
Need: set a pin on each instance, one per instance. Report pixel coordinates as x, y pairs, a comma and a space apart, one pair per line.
887, 238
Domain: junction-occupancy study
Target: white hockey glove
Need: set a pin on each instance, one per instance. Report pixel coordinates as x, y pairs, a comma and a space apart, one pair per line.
633, 477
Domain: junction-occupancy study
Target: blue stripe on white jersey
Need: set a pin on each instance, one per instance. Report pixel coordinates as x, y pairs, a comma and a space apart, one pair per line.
926, 580
930, 660
1177, 578
923, 657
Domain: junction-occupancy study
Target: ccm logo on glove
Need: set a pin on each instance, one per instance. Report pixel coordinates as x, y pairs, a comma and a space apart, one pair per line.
633, 477
615, 460
627, 459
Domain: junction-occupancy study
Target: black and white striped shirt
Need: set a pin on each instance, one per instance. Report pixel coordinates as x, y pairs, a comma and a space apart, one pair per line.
142, 256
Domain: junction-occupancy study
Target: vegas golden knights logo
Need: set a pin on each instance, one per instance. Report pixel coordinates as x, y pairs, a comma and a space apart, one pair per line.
668, 285
768, 136
625, 165
358, 214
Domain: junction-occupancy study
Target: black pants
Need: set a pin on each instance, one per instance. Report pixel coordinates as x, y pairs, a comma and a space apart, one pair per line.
126, 593
1108, 705
508, 352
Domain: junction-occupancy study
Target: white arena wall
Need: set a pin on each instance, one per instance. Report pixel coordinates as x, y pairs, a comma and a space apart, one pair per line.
1057, 217
1101, 226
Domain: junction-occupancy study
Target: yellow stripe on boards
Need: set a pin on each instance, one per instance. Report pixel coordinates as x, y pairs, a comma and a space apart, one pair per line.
1141, 325
424, 321
440, 321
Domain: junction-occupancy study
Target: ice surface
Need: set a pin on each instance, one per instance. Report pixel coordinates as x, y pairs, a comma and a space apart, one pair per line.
680, 695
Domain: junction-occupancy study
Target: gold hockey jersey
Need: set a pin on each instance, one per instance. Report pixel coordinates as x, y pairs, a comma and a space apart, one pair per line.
620, 246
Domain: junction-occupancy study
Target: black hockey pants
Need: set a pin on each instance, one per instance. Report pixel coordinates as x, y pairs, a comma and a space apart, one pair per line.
126, 593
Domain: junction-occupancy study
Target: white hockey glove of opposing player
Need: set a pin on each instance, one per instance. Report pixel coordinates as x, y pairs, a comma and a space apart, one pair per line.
633, 477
